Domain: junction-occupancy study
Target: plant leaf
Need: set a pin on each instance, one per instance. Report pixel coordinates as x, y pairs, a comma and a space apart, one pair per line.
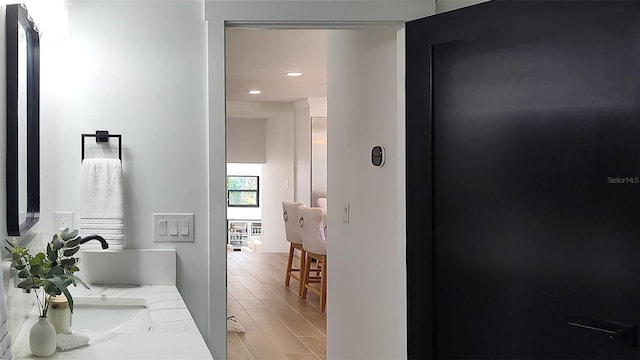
51, 289
57, 243
37, 260
55, 270
52, 254
74, 242
26, 284
72, 235
23, 274
65, 234
81, 282
68, 262
60, 285
19, 267
71, 251
36, 270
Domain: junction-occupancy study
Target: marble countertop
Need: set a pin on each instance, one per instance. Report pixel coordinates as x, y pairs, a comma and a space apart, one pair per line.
174, 334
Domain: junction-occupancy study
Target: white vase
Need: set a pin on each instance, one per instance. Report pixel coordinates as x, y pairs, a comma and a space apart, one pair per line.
42, 338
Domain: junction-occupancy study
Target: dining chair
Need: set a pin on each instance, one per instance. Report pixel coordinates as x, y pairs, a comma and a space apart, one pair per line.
314, 244
292, 233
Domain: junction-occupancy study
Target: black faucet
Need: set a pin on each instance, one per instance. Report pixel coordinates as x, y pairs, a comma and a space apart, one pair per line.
95, 237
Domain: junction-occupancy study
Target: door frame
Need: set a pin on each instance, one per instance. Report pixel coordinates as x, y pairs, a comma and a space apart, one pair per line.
219, 15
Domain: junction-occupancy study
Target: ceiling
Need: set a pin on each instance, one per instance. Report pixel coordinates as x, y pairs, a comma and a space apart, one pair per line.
259, 58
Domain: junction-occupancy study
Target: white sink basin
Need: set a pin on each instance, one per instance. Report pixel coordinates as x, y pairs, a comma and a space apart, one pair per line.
110, 315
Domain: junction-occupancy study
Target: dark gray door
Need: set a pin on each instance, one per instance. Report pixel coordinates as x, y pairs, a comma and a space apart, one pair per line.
523, 158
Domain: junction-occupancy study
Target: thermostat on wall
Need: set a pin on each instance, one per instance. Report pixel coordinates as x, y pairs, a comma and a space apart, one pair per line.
378, 155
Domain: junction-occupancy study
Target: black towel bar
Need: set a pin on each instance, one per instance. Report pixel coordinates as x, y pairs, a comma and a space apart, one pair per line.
103, 136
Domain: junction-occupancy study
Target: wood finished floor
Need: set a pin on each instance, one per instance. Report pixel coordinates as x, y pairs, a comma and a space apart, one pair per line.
278, 324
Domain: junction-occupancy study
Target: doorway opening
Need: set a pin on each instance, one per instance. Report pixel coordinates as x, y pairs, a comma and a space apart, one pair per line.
276, 138
365, 215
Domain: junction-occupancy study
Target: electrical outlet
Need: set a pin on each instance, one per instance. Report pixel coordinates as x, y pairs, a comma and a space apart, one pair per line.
62, 220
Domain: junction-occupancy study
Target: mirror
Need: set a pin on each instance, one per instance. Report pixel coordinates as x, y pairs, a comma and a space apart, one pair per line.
23, 114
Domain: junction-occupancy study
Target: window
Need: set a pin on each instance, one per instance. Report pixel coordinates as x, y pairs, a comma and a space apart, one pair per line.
243, 191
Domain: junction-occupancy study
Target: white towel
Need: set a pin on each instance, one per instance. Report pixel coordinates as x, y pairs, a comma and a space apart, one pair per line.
102, 208
71, 341
5, 338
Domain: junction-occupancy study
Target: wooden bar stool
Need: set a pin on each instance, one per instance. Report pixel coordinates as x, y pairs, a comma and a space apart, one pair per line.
292, 232
313, 242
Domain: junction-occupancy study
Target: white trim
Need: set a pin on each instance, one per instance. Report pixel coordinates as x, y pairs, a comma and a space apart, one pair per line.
308, 25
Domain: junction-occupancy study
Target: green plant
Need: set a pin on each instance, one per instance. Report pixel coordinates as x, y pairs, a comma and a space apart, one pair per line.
49, 274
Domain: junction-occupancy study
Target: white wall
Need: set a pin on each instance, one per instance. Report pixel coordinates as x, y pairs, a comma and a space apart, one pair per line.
305, 110
302, 151
318, 159
217, 13
317, 106
277, 181
246, 213
448, 5
136, 68
318, 113
245, 140
365, 258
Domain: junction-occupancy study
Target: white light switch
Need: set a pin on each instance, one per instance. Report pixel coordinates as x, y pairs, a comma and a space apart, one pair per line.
162, 228
172, 224
184, 227
173, 228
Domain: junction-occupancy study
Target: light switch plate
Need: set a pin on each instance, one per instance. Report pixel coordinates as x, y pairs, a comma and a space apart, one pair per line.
173, 227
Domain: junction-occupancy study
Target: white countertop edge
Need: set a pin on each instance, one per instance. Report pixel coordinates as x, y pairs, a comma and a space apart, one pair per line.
174, 333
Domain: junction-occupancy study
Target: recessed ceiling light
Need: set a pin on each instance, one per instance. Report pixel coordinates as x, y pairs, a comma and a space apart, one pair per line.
254, 92
293, 74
